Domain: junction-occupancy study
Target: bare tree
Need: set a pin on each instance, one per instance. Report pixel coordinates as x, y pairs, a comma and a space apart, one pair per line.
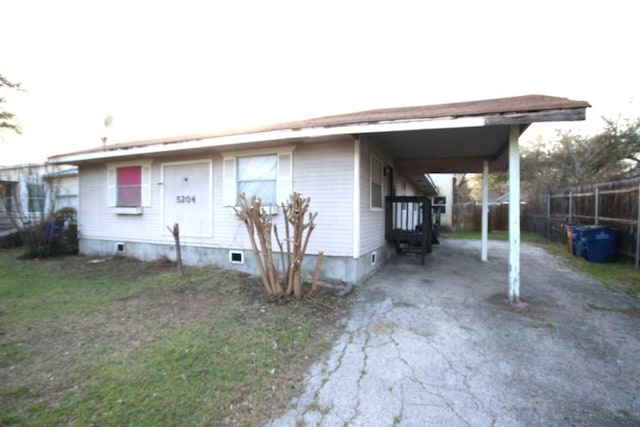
259, 225
175, 231
29, 205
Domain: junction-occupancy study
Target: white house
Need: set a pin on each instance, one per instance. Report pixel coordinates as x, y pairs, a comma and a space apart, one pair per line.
27, 192
443, 200
130, 192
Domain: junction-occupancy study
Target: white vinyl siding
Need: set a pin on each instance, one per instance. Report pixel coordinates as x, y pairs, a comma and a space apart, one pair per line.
99, 221
323, 172
284, 185
371, 219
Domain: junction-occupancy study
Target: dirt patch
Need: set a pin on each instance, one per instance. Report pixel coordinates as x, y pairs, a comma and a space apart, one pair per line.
49, 352
536, 309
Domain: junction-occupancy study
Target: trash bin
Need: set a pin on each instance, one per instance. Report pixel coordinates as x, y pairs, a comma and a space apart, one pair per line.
53, 228
598, 243
576, 238
569, 238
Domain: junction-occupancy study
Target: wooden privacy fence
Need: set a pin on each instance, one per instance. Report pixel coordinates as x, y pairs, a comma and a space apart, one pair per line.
613, 204
467, 217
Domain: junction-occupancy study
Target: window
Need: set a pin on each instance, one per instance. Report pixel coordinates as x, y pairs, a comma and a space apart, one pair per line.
6, 192
129, 184
439, 205
258, 175
376, 183
265, 173
35, 196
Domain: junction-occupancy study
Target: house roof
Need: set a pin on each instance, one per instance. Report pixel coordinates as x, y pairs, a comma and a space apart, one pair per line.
453, 137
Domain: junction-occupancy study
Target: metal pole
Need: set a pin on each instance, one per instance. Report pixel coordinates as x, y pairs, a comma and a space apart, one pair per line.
548, 230
638, 233
485, 211
570, 207
597, 205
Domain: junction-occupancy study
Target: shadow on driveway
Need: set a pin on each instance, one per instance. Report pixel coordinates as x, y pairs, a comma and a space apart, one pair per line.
440, 345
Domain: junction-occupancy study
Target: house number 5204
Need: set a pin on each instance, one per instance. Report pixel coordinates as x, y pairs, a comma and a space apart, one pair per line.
185, 199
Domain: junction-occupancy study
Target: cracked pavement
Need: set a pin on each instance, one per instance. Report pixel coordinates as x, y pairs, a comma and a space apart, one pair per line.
440, 345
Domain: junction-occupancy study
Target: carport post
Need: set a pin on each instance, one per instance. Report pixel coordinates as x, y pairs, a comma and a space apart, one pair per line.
514, 215
485, 209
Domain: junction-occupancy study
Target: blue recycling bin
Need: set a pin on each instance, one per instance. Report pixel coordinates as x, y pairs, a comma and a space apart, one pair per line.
597, 243
53, 228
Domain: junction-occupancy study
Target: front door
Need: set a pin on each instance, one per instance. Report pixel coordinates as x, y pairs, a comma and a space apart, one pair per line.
187, 192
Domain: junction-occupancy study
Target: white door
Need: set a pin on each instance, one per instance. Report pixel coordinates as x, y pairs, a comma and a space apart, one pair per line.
187, 191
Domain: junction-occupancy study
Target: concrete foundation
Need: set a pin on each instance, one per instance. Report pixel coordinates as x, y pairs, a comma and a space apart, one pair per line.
334, 268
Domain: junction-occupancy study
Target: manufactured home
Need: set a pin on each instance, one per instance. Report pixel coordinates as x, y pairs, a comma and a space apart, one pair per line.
130, 193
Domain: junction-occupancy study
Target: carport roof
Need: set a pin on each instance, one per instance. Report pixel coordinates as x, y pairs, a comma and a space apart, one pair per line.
453, 137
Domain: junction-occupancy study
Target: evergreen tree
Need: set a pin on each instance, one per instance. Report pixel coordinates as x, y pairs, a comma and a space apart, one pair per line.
7, 119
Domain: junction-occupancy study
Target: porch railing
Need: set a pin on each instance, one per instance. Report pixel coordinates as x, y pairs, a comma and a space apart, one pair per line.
408, 224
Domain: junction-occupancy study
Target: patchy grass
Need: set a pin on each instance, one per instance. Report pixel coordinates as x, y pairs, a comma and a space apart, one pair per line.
620, 275
494, 235
120, 342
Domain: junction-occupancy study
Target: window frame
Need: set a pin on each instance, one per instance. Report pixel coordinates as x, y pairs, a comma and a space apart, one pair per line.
38, 198
124, 188
373, 159
284, 174
439, 202
273, 181
8, 195
145, 186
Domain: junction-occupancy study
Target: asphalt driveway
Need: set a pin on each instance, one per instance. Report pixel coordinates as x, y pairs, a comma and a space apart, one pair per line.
440, 345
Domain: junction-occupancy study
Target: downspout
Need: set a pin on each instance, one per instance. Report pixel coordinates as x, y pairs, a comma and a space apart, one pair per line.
390, 190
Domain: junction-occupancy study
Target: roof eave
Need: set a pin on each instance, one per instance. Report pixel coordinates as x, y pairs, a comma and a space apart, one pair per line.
276, 135
288, 134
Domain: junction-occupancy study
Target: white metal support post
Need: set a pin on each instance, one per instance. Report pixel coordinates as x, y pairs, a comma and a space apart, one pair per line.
485, 210
514, 215
356, 198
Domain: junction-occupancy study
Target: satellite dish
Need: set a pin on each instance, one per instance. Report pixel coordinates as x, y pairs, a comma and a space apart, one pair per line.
107, 122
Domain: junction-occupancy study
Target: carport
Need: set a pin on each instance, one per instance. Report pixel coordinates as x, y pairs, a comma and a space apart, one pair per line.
469, 137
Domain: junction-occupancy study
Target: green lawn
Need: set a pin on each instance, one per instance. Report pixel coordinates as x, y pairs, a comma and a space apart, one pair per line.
124, 343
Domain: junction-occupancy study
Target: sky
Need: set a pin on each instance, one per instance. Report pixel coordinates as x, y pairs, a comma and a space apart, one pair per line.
165, 68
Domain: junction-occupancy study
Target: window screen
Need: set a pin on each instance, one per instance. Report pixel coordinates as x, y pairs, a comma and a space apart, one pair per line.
257, 175
36, 197
129, 186
376, 183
